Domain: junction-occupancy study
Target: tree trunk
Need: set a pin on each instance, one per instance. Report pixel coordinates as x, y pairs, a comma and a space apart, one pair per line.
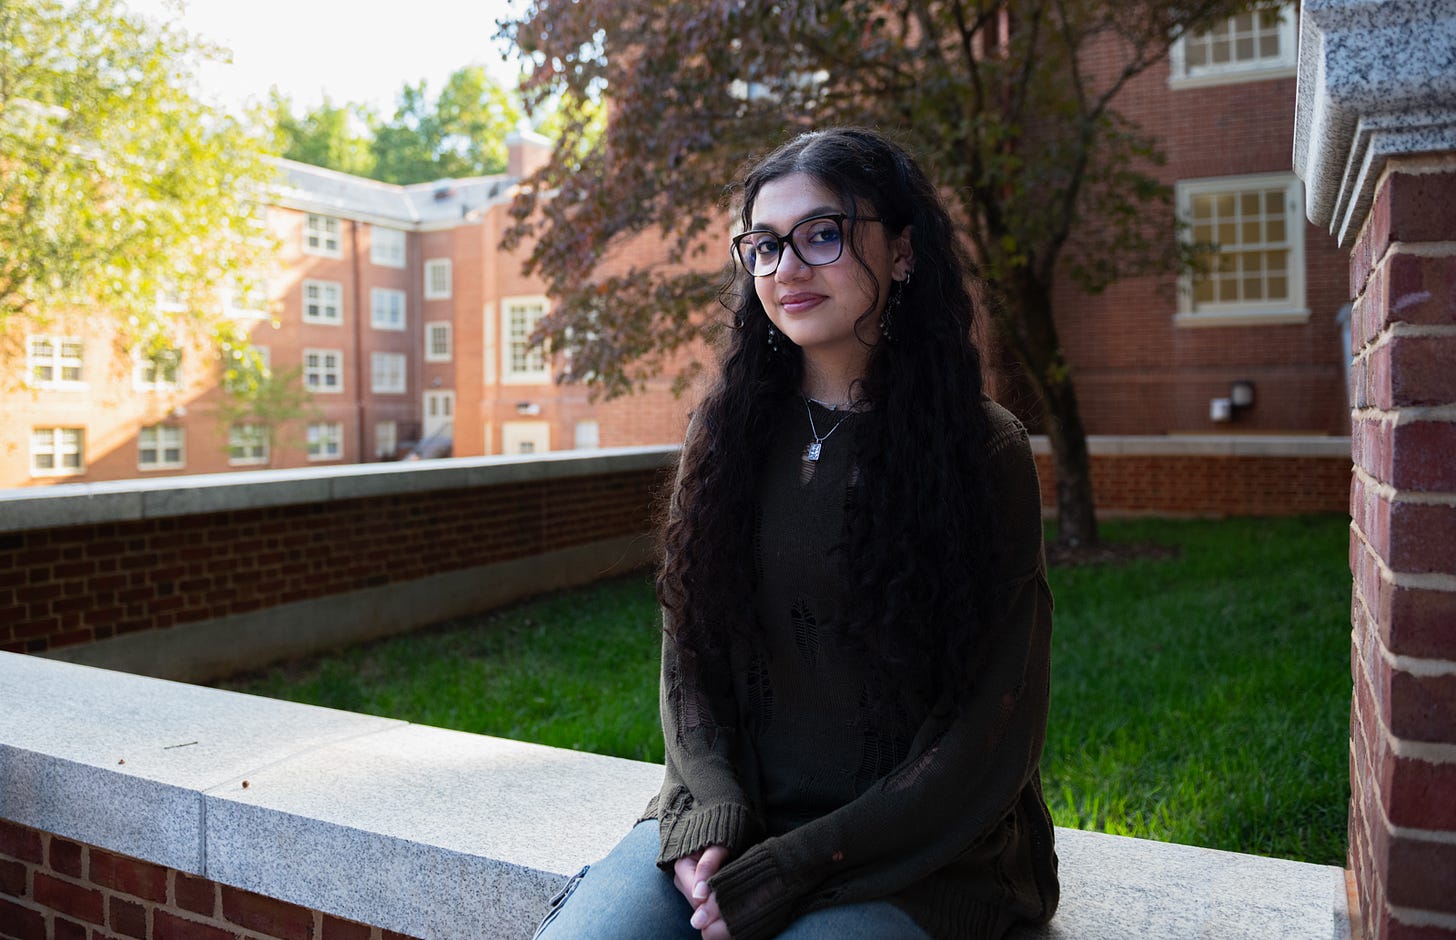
1026, 326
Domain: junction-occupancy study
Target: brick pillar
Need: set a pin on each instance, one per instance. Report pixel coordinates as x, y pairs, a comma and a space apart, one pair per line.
1403, 555
1375, 142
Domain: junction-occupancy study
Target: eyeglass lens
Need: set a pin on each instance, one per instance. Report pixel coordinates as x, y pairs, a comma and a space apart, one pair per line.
816, 241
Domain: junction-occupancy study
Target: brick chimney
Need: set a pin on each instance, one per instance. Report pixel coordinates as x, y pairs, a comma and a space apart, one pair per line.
526, 152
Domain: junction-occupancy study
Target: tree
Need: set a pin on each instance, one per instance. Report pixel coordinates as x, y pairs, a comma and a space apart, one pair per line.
118, 187
330, 135
1010, 102
261, 400
461, 134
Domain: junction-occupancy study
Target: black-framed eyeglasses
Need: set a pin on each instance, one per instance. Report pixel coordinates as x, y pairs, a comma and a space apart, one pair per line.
816, 240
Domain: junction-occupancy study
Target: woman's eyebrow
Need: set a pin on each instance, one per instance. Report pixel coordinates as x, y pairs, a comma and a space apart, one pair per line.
820, 210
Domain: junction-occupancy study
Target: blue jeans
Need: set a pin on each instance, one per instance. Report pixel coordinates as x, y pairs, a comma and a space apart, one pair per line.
626, 896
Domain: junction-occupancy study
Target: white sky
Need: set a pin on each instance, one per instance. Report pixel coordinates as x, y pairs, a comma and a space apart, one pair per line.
351, 51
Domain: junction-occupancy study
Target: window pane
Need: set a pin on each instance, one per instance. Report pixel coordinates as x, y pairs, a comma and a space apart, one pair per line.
1219, 51
1228, 234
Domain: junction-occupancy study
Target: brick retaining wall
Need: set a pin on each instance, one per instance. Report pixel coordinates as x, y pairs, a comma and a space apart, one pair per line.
1211, 476
52, 888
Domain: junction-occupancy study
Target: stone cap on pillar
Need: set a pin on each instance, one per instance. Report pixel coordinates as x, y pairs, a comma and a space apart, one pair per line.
1377, 79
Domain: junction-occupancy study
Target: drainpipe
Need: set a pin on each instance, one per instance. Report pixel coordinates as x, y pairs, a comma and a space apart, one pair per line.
361, 371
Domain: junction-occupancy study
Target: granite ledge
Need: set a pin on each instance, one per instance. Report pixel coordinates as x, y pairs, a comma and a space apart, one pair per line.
441, 834
128, 500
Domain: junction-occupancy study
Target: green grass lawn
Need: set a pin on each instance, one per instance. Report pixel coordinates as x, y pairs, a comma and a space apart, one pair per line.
1202, 698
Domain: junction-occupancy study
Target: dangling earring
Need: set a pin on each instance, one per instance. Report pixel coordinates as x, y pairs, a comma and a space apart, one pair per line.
887, 319
773, 338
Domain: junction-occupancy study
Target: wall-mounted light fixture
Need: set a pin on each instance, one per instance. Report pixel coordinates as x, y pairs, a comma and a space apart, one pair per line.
1241, 395
527, 408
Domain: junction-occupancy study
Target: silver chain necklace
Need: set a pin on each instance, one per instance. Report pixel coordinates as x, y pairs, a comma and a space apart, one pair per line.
811, 450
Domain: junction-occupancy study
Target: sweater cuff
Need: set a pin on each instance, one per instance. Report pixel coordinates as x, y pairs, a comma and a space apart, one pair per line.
726, 824
753, 895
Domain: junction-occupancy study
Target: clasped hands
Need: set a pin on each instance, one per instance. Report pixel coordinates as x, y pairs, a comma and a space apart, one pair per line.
690, 876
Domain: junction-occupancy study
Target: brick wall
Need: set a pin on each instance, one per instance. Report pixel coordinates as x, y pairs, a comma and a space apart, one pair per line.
1403, 556
1205, 485
52, 888
68, 585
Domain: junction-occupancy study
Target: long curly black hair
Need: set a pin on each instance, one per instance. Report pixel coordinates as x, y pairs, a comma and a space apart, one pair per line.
921, 521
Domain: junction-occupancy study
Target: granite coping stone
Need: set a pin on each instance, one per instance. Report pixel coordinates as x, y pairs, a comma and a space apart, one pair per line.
1376, 80
439, 833
66, 504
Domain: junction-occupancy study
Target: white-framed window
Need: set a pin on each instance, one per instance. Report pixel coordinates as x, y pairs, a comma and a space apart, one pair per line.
323, 302
387, 372
386, 308
437, 279
521, 362
247, 445
588, 435
386, 246
323, 370
386, 438
439, 342
155, 373
525, 437
325, 440
1249, 47
161, 447
1256, 272
321, 236
56, 452
55, 361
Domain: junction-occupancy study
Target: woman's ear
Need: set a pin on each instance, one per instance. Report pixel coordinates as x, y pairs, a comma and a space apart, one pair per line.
902, 256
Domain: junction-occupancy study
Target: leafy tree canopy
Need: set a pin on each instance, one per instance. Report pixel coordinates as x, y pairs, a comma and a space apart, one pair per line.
1009, 102
459, 133
118, 187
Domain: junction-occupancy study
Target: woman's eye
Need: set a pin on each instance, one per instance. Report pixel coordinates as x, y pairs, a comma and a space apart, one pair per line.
766, 246
823, 233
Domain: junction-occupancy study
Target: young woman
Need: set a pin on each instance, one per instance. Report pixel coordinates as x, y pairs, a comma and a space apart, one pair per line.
856, 613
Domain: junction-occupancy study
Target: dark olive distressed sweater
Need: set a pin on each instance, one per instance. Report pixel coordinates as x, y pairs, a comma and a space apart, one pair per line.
818, 801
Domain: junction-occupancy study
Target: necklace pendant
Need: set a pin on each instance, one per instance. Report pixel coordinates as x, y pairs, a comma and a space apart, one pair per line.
811, 452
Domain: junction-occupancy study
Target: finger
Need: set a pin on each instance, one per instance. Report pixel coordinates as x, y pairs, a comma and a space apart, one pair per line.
712, 859
706, 915
684, 878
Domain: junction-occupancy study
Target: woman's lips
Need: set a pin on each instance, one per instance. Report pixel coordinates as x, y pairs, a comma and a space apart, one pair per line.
799, 303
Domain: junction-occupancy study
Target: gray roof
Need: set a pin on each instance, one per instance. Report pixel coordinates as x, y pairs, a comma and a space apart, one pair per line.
419, 204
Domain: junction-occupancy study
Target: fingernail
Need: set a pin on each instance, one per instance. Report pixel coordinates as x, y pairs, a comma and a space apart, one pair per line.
700, 918
700, 890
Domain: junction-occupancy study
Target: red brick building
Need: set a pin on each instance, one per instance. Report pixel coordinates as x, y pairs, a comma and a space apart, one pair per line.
410, 323
1151, 355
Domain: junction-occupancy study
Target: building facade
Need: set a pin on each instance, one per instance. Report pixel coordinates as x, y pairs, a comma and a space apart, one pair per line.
399, 313
410, 325
1257, 345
